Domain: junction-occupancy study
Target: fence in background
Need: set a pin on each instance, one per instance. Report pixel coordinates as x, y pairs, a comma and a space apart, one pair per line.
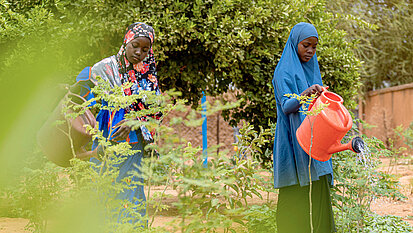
386, 109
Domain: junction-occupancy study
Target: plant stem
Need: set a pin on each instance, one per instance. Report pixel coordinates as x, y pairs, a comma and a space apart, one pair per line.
150, 175
342, 204
160, 201
309, 177
183, 175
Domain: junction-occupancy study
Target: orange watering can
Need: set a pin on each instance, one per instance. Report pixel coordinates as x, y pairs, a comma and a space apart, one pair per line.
329, 128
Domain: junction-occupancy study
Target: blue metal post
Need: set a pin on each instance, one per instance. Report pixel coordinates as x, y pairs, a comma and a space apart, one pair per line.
204, 132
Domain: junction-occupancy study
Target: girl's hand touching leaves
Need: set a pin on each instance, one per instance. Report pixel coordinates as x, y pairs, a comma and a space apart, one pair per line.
314, 89
123, 130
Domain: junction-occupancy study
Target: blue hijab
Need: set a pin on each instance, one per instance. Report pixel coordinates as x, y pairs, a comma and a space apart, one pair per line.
291, 76
305, 74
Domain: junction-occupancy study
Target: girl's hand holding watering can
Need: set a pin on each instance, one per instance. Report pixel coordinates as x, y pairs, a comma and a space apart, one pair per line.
314, 89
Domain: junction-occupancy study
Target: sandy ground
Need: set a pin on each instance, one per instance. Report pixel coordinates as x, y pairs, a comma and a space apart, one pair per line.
384, 206
404, 208
13, 225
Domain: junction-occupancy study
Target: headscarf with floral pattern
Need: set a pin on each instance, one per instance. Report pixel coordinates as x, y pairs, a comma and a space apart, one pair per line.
143, 74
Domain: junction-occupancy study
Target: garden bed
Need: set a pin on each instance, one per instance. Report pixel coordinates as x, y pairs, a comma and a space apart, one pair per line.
383, 206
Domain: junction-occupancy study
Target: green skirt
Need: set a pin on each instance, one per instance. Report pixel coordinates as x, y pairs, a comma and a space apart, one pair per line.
293, 208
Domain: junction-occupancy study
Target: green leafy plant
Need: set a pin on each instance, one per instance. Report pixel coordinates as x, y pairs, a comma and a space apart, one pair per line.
359, 183
212, 198
261, 218
405, 134
36, 194
388, 223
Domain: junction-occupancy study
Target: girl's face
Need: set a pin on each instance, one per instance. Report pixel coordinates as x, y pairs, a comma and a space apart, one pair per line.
306, 48
137, 49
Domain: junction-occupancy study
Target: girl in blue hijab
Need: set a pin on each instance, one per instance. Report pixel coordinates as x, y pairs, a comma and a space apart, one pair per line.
298, 72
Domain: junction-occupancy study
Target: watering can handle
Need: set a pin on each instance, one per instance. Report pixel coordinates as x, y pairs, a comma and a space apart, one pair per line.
314, 100
346, 115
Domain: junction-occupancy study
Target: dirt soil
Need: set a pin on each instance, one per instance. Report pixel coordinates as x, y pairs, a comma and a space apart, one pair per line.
384, 206
13, 225
403, 170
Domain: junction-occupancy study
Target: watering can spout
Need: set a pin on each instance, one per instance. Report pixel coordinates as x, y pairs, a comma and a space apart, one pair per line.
356, 145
